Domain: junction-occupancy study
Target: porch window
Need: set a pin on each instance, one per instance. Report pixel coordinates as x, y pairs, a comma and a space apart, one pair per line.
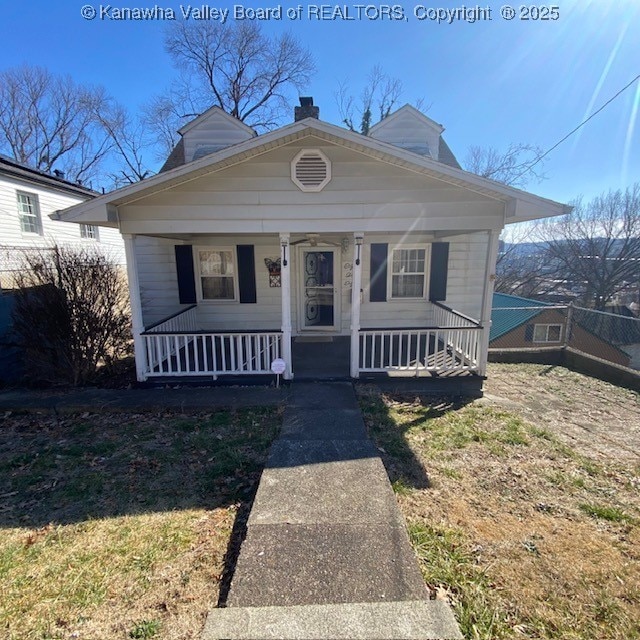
408, 273
547, 332
217, 274
29, 212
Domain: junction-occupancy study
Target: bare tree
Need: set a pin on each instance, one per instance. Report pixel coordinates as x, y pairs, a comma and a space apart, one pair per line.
129, 141
517, 267
522, 267
234, 66
596, 248
71, 314
518, 271
514, 166
49, 122
163, 117
377, 100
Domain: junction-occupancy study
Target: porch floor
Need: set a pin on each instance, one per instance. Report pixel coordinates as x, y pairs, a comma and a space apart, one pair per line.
321, 357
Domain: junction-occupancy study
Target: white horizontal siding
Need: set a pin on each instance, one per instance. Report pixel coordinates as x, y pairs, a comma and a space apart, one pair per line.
215, 129
159, 289
158, 278
363, 194
465, 282
266, 312
407, 129
466, 279
159, 285
13, 241
392, 313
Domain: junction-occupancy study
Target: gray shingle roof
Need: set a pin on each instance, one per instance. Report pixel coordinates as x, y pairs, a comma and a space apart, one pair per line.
176, 157
446, 156
18, 169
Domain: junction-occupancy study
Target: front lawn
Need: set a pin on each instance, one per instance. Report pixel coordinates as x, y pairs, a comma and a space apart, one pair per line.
116, 526
528, 531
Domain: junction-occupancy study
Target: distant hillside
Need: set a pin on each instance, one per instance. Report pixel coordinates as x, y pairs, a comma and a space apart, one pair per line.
528, 249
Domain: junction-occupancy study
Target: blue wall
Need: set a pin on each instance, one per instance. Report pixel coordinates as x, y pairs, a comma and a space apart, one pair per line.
10, 357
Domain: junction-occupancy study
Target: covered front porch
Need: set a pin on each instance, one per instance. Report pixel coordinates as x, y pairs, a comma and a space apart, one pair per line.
334, 321
176, 347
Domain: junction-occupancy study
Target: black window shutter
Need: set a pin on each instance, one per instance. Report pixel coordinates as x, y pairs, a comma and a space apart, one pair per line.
378, 272
439, 271
528, 333
246, 273
186, 275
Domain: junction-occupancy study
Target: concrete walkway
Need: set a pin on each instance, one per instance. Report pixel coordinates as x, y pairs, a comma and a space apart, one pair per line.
326, 553
141, 400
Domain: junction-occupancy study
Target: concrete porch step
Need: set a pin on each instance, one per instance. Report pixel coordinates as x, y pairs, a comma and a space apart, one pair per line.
408, 620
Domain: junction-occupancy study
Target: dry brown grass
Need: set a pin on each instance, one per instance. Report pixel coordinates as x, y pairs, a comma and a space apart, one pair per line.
117, 526
530, 536
99, 579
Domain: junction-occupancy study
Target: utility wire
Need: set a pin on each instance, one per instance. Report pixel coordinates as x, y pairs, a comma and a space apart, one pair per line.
595, 113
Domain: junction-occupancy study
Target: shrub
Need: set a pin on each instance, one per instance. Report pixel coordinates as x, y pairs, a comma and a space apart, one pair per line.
71, 314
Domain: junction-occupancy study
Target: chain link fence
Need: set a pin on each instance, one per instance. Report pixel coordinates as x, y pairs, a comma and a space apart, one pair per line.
538, 327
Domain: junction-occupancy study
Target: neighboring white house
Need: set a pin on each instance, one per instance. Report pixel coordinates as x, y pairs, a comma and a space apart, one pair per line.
27, 198
314, 244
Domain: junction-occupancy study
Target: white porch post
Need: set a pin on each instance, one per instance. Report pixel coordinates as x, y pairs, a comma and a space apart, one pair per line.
489, 280
285, 284
356, 286
136, 306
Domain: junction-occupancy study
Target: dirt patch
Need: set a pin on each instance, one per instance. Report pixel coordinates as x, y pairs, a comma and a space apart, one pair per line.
597, 418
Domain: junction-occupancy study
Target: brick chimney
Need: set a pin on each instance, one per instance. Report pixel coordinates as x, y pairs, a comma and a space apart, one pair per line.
306, 110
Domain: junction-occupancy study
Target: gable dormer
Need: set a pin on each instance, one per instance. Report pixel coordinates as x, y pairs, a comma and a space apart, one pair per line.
409, 129
212, 131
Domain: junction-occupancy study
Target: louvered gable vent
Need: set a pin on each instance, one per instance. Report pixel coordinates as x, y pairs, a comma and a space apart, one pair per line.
311, 170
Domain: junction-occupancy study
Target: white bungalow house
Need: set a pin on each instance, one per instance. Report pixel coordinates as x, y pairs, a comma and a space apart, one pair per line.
337, 252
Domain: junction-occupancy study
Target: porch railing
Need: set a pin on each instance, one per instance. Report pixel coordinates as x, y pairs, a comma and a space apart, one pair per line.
444, 316
414, 350
183, 320
175, 347
211, 354
452, 346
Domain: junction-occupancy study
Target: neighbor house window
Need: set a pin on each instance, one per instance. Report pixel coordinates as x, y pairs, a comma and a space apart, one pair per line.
547, 332
217, 274
29, 212
89, 232
408, 273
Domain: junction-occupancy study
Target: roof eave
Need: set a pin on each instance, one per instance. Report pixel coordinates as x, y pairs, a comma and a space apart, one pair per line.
376, 148
34, 176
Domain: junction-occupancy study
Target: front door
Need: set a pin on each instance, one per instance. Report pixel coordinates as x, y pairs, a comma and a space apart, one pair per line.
318, 308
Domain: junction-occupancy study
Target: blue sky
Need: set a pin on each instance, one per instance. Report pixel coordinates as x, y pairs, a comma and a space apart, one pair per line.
489, 83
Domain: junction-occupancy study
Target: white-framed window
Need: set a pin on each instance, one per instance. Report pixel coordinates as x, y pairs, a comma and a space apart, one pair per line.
217, 273
407, 272
29, 212
547, 332
89, 232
